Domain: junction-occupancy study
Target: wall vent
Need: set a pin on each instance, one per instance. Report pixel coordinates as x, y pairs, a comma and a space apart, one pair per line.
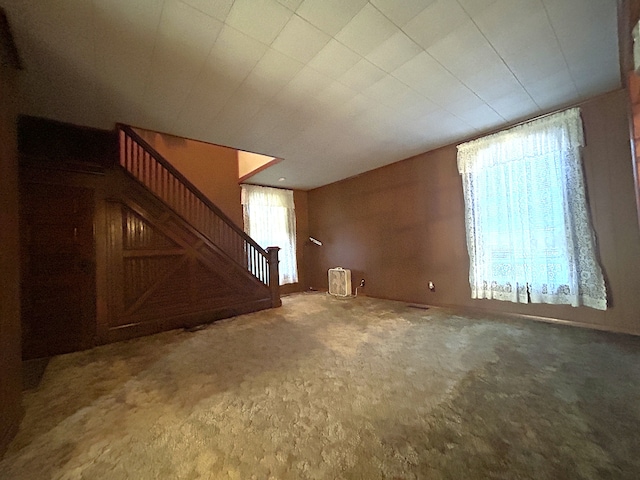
340, 282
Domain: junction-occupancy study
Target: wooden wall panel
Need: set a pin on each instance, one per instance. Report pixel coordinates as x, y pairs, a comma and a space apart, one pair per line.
153, 271
163, 274
10, 351
142, 273
58, 277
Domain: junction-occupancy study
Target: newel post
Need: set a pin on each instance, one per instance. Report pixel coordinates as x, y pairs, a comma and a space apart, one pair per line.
274, 276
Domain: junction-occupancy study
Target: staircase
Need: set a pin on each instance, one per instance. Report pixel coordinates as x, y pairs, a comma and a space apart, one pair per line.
149, 168
164, 256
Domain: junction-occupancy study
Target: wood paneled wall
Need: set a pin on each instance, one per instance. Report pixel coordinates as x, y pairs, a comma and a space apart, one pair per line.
154, 272
10, 352
162, 273
403, 225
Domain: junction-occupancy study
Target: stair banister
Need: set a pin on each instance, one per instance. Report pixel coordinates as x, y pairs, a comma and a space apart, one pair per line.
152, 170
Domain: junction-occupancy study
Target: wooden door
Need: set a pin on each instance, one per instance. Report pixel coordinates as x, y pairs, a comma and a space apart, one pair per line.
58, 274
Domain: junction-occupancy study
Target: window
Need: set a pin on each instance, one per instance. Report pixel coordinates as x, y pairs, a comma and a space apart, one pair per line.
270, 219
528, 230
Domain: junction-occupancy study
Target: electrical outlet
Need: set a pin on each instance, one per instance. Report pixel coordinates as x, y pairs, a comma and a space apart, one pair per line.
362, 283
432, 286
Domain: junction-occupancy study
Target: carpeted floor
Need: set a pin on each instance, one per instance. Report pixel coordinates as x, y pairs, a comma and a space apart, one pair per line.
327, 388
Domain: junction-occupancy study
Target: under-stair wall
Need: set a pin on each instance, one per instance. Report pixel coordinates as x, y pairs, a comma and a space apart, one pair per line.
153, 270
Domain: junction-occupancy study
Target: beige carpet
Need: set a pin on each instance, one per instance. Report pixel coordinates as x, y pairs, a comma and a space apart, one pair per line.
327, 388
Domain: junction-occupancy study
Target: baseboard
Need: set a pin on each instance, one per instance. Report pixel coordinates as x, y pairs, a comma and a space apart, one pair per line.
189, 320
537, 318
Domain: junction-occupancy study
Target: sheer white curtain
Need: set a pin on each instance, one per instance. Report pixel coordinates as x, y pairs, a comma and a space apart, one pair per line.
270, 219
528, 230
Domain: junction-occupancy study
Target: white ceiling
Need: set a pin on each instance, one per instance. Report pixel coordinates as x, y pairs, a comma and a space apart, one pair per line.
334, 87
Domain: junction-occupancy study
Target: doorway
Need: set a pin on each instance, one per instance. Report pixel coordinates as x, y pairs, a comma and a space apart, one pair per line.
58, 269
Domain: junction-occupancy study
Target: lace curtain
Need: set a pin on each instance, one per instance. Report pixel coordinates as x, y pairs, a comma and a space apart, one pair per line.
528, 230
270, 219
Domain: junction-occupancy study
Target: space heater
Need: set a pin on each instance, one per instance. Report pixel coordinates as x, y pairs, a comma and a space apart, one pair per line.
340, 282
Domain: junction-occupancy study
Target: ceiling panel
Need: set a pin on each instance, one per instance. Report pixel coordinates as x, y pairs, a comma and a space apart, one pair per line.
394, 51
466, 51
585, 39
474, 7
218, 9
330, 16
513, 106
401, 12
300, 40
362, 75
260, 19
334, 59
334, 87
392, 92
290, 4
272, 73
435, 22
367, 30
184, 39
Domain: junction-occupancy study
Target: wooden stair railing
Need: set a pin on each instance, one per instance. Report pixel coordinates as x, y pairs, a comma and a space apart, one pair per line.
153, 171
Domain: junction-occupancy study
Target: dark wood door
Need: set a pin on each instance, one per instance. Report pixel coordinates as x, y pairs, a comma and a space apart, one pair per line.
58, 278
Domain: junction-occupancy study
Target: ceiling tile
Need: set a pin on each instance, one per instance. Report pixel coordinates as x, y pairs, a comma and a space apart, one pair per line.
583, 31
185, 37
305, 85
334, 59
529, 65
401, 12
68, 20
435, 22
291, 4
553, 89
514, 106
136, 21
476, 113
475, 7
492, 84
218, 9
123, 48
356, 106
300, 40
89, 61
243, 105
232, 57
465, 51
273, 72
333, 98
516, 25
273, 126
260, 19
418, 108
235, 54
368, 29
394, 51
425, 75
392, 92
330, 15
361, 75
597, 82
443, 126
